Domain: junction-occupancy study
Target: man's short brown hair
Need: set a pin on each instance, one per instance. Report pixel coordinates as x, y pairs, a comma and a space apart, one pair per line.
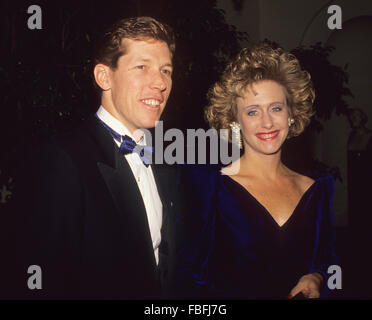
108, 47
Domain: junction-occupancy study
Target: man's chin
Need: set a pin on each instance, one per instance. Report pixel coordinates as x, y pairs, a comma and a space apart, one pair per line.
148, 125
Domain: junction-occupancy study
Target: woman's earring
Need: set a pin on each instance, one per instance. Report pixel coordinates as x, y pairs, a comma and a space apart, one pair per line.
235, 128
290, 121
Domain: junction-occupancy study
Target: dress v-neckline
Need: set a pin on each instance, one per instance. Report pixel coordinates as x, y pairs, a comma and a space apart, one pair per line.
267, 212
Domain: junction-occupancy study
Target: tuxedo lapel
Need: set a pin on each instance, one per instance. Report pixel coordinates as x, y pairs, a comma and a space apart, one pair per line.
104, 141
126, 195
130, 207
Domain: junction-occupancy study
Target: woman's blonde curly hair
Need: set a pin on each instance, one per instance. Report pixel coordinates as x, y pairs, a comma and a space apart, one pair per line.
261, 62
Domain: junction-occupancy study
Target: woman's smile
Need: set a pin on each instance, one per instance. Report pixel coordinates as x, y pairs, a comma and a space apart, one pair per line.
266, 136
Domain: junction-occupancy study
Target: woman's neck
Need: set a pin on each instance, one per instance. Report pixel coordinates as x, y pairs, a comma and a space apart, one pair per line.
263, 166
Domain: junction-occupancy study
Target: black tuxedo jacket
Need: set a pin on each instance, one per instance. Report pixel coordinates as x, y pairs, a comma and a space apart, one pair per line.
81, 218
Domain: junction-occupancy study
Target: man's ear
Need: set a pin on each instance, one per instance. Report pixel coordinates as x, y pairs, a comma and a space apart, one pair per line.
101, 75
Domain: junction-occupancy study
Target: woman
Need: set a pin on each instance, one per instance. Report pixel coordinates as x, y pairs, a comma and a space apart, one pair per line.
255, 229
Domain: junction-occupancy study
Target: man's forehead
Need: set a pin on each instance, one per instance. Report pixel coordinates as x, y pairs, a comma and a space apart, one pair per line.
139, 50
128, 43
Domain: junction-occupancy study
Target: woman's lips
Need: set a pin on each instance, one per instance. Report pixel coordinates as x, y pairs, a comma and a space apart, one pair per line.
266, 136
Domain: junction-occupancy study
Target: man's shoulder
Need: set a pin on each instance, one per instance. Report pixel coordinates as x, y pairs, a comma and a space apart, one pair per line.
79, 141
78, 136
66, 147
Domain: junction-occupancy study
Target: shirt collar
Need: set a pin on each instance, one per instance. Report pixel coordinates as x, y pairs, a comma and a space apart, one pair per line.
116, 125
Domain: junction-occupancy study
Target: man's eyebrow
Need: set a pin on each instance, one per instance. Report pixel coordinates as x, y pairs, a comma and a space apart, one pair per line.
167, 65
142, 60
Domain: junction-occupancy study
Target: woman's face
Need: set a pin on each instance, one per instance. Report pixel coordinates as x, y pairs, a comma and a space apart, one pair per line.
263, 114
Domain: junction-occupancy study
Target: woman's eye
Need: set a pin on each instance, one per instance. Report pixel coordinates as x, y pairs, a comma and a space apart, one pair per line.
277, 108
252, 113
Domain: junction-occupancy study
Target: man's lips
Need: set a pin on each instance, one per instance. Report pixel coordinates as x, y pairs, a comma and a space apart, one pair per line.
266, 136
152, 104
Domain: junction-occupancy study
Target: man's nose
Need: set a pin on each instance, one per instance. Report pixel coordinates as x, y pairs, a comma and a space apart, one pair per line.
158, 81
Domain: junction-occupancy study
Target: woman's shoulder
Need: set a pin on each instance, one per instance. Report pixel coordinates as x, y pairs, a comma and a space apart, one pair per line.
322, 188
307, 180
322, 178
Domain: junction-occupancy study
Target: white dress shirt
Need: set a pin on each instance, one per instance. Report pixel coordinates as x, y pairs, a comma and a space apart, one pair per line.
144, 177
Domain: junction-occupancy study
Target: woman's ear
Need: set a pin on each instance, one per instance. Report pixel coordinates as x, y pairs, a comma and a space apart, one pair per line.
101, 75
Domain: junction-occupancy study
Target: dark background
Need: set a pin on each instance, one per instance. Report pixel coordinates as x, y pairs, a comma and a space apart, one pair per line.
46, 85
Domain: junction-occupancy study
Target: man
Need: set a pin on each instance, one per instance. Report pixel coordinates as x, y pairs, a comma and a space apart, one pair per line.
94, 211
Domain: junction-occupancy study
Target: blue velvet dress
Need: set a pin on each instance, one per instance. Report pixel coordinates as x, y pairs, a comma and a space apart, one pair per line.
230, 247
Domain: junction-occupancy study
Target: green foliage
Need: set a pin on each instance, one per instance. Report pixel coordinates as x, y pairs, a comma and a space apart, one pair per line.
329, 82
330, 90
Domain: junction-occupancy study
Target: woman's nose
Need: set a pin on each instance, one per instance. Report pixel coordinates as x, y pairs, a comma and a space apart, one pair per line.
267, 121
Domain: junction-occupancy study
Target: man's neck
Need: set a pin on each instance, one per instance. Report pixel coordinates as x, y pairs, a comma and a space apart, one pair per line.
111, 120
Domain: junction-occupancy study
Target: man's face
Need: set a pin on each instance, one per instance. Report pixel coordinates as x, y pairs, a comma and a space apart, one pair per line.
140, 85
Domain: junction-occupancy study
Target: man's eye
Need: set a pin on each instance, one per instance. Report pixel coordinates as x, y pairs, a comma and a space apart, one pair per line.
166, 71
141, 67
